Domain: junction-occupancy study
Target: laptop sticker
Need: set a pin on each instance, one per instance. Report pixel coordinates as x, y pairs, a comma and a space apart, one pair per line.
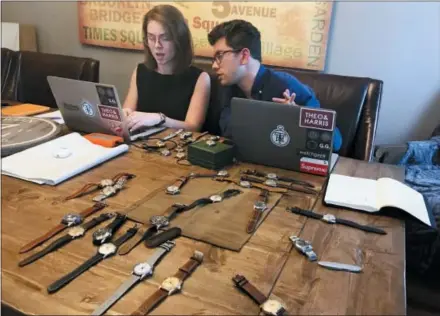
316, 154
109, 113
87, 108
279, 137
106, 96
116, 127
314, 166
317, 118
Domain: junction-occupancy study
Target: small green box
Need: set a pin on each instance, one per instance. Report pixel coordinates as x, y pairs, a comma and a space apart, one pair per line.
212, 157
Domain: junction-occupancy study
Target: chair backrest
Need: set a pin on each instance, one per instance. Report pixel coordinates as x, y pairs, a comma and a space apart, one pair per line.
8, 74
34, 67
356, 101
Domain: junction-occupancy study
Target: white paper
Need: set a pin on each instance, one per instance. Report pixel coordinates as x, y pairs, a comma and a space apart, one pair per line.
54, 116
39, 164
11, 35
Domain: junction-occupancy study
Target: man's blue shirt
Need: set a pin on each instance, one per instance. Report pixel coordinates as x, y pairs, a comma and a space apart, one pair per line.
270, 84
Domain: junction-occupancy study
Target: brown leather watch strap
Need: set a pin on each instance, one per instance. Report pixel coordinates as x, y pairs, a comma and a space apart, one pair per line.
120, 175
38, 241
85, 189
253, 221
242, 283
189, 267
155, 299
264, 196
136, 239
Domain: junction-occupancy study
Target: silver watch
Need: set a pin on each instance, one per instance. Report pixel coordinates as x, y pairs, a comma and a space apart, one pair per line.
304, 247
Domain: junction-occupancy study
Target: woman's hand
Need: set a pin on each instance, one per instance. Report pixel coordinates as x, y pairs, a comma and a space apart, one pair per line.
137, 120
127, 111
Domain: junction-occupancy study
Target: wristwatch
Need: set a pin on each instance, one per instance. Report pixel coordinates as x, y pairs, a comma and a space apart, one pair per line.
221, 174
274, 176
175, 188
104, 234
104, 251
171, 285
259, 207
330, 218
267, 306
172, 135
161, 120
248, 185
68, 220
140, 272
91, 187
111, 190
305, 247
73, 233
224, 195
275, 184
147, 231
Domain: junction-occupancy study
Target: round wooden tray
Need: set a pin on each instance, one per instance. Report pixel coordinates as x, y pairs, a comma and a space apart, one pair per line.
22, 132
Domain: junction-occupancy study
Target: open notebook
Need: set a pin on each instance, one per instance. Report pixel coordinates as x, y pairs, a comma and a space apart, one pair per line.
373, 195
58, 160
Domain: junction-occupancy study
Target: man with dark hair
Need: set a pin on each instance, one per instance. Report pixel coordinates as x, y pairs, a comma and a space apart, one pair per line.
237, 62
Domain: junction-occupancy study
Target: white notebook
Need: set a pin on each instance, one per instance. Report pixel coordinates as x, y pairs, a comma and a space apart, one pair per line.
372, 195
58, 160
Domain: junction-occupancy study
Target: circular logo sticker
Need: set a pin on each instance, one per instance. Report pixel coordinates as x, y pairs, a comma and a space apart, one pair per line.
279, 137
88, 109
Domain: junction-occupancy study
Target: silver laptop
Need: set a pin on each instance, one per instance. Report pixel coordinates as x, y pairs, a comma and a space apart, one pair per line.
290, 137
92, 107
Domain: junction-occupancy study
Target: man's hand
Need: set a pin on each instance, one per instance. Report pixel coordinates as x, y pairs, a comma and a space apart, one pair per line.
127, 111
137, 120
288, 98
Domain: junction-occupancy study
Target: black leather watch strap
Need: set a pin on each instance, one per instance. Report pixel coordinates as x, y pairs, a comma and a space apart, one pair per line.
57, 285
117, 223
230, 193
367, 228
96, 221
129, 234
56, 244
162, 237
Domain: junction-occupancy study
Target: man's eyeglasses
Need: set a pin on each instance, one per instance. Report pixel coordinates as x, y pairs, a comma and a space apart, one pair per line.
218, 57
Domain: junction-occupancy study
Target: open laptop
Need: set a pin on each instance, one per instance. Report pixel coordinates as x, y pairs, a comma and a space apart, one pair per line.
284, 136
92, 107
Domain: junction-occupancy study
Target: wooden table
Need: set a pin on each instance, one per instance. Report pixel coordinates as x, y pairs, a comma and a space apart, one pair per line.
267, 260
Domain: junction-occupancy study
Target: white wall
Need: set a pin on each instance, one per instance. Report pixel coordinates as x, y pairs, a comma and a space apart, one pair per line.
397, 42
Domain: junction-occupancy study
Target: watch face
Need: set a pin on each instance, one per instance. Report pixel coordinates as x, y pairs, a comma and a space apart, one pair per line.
107, 249
172, 189
142, 269
210, 143
106, 182
272, 176
71, 219
261, 206
222, 173
159, 221
329, 218
271, 183
160, 144
272, 307
76, 231
216, 198
171, 284
165, 152
180, 155
101, 234
245, 184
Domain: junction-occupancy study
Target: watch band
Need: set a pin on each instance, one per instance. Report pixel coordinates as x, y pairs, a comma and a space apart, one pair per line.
182, 274
142, 234
259, 207
243, 284
273, 183
329, 218
57, 285
220, 174
162, 237
64, 240
249, 185
274, 176
60, 227
134, 279
96, 186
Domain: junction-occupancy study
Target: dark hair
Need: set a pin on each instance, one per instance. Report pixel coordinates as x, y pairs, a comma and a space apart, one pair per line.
175, 25
239, 34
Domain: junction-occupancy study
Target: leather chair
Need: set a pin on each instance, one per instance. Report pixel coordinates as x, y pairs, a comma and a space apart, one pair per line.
355, 99
28, 83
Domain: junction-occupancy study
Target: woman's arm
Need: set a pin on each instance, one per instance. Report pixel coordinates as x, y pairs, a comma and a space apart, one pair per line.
131, 99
